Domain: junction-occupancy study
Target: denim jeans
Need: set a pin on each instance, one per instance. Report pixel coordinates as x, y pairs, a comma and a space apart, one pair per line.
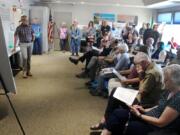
26, 50
37, 47
75, 45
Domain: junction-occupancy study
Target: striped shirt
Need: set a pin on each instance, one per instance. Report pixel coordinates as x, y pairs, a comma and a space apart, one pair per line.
25, 33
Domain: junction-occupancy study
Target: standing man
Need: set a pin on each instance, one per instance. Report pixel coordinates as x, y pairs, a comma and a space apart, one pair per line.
155, 35
26, 37
37, 47
148, 33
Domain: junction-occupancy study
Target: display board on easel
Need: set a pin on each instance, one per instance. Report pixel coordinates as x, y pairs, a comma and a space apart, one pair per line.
10, 17
5, 69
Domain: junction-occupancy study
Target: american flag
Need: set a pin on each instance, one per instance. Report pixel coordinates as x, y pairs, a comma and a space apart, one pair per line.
50, 28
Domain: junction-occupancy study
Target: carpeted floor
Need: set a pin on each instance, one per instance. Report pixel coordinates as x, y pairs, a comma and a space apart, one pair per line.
53, 101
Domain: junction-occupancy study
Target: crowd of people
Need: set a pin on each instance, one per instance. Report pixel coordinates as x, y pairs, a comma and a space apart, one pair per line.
147, 65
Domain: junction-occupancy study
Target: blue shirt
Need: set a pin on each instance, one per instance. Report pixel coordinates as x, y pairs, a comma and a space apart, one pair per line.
37, 30
122, 62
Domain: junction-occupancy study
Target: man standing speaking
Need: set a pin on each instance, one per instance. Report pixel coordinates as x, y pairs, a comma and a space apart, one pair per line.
26, 37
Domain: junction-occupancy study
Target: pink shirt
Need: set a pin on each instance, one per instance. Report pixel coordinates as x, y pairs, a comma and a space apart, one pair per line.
63, 33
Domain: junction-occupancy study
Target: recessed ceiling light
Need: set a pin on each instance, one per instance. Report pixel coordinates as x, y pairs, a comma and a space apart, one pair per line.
82, 2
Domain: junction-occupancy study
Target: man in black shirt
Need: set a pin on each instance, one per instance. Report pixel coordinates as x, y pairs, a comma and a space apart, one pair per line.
147, 33
155, 35
25, 34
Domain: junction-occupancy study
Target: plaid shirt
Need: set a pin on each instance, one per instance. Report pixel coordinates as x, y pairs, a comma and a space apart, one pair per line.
25, 33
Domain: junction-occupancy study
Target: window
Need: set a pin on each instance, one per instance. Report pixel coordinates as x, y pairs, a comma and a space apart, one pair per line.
177, 18
164, 17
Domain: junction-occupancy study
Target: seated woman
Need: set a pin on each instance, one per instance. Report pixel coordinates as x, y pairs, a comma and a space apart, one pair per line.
122, 62
142, 121
159, 55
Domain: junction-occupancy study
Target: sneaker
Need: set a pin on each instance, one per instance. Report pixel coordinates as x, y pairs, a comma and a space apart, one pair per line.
73, 60
25, 75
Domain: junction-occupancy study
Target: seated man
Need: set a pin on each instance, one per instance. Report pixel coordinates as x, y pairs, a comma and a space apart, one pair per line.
150, 88
164, 116
131, 79
98, 62
159, 55
103, 51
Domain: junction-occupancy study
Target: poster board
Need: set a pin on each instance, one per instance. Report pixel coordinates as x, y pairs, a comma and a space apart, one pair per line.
5, 68
10, 17
103, 16
127, 18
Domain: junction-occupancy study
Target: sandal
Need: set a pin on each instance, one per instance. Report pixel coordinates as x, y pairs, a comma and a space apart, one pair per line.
98, 126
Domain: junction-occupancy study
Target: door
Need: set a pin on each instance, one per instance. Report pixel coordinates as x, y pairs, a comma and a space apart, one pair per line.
60, 17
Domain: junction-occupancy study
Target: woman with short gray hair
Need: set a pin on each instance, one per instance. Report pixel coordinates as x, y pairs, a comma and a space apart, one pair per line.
164, 116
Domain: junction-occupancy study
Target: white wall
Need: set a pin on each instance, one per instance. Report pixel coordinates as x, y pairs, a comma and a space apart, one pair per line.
84, 13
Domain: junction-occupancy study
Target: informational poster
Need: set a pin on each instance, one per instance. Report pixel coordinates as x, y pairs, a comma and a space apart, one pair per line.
10, 20
127, 18
103, 16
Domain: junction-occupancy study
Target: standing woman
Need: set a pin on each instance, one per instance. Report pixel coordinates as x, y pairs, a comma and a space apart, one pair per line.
75, 38
63, 35
91, 33
26, 37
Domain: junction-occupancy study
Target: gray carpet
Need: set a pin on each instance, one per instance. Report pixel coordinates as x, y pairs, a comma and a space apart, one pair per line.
53, 101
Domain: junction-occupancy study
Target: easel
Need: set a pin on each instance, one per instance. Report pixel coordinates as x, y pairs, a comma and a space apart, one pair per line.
11, 105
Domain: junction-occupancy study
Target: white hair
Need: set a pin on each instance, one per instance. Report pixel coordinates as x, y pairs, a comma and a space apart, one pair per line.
174, 72
140, 56
150, 41
123, 47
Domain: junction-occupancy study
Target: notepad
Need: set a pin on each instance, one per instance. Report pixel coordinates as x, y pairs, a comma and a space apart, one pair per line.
125, 95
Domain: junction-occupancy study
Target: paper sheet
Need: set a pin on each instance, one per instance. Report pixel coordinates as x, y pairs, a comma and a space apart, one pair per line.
125, 95
97, 49
121, 78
